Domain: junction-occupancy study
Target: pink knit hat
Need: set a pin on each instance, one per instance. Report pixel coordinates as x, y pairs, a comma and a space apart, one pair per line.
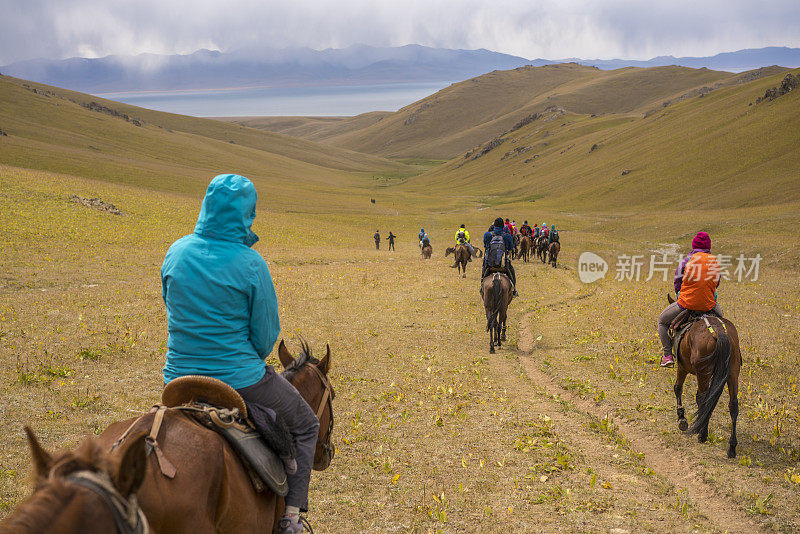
701, 241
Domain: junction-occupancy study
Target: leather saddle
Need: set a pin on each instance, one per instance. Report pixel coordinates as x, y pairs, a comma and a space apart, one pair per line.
681, 325
216, 405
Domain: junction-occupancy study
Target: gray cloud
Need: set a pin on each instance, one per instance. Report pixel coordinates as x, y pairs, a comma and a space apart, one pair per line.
632, 29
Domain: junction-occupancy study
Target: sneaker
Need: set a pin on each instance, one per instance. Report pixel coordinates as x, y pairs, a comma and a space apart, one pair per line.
469, 259
290, 524
515, 292
454, 266
667, 361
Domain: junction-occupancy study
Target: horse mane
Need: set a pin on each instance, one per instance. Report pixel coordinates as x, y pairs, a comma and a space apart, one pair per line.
304, 358
39, 511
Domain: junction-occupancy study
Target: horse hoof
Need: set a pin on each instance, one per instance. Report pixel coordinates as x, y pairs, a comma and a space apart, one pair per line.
702, 439
683, 425
491, 350
731, 453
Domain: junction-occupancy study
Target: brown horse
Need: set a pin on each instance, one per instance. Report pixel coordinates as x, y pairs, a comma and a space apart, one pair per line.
427, 250
210, 490
461, 253
541, 249
87, 490
497, 295
525, 248
555, 248
711, 353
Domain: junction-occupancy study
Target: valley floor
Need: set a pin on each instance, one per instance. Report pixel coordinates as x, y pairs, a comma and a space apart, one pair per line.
570, 427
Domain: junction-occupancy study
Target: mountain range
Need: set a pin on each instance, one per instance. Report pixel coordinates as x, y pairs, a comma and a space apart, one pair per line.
354, 65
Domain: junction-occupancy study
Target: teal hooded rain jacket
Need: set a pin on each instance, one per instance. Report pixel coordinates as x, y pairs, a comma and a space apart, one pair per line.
222, 312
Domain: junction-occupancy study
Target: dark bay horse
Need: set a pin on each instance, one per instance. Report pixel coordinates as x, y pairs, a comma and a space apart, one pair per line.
541, 249
497, 295
711, 353
461, 253
555, 248
211, 491
427, 250
525, 246
87, 490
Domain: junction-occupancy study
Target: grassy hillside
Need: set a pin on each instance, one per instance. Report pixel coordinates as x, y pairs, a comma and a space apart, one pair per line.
569, 427
471, 112
59, 130
713, 150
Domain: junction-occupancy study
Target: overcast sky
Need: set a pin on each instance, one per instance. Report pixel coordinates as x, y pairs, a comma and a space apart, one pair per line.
551, 29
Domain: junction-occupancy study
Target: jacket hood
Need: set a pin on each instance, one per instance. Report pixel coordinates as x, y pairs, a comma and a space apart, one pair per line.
228, 210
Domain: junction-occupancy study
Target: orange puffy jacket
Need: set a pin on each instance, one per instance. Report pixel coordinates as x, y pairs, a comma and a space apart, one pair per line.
700, 280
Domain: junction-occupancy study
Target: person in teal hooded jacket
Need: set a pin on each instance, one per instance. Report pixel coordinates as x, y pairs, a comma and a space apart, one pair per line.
222, 317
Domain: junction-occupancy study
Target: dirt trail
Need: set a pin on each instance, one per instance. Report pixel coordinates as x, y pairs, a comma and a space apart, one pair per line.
681, 472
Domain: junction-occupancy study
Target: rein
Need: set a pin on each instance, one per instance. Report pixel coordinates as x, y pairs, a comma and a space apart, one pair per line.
327, 399
128, 516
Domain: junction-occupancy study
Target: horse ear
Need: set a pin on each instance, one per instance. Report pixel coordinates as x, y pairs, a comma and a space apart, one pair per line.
284, 355
42, 460
128, 474
325, 363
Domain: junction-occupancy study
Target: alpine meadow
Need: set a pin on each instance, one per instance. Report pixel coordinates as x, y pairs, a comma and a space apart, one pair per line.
571, 425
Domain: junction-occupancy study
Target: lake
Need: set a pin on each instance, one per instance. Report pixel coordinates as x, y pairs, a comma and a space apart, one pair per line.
262, 101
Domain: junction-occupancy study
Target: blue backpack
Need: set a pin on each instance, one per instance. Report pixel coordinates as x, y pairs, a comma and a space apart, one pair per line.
496, 251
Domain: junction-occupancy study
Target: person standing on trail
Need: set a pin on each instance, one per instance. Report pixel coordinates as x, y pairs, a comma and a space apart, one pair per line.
696, 281
377, 238
497, 243
222, 318
391, 239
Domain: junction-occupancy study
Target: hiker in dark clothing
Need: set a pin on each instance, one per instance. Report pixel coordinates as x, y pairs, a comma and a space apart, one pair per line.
391, 239
377, 238
497, 243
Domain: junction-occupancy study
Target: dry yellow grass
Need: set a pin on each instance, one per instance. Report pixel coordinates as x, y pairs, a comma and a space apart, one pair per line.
432, 432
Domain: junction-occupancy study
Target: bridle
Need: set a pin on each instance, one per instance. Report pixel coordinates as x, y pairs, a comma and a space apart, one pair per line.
128, 516
327, 399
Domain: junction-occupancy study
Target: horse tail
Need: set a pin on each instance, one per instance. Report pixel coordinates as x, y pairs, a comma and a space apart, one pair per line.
722, 368
496, 298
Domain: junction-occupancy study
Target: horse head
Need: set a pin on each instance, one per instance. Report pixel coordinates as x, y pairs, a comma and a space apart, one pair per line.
310, 376
85, 490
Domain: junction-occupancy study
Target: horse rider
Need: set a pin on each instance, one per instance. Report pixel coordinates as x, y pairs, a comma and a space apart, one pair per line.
696, 280
421, 236
462, 238
377, 238
391, 239
536, 231
553, 237
222, 319
497, 243
545, 231
525, 229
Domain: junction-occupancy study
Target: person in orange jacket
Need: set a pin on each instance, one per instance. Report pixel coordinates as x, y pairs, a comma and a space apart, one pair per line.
696, 281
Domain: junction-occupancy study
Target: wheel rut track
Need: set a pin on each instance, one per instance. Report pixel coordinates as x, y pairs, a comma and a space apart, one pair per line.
682, 473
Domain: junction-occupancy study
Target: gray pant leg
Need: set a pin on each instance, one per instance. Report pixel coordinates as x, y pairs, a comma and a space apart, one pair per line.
471, 249
277, 393
718, 310
664, 320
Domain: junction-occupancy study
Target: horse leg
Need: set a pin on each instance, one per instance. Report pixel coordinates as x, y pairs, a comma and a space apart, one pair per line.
678, 389
503, 334
702, 436
733, 407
